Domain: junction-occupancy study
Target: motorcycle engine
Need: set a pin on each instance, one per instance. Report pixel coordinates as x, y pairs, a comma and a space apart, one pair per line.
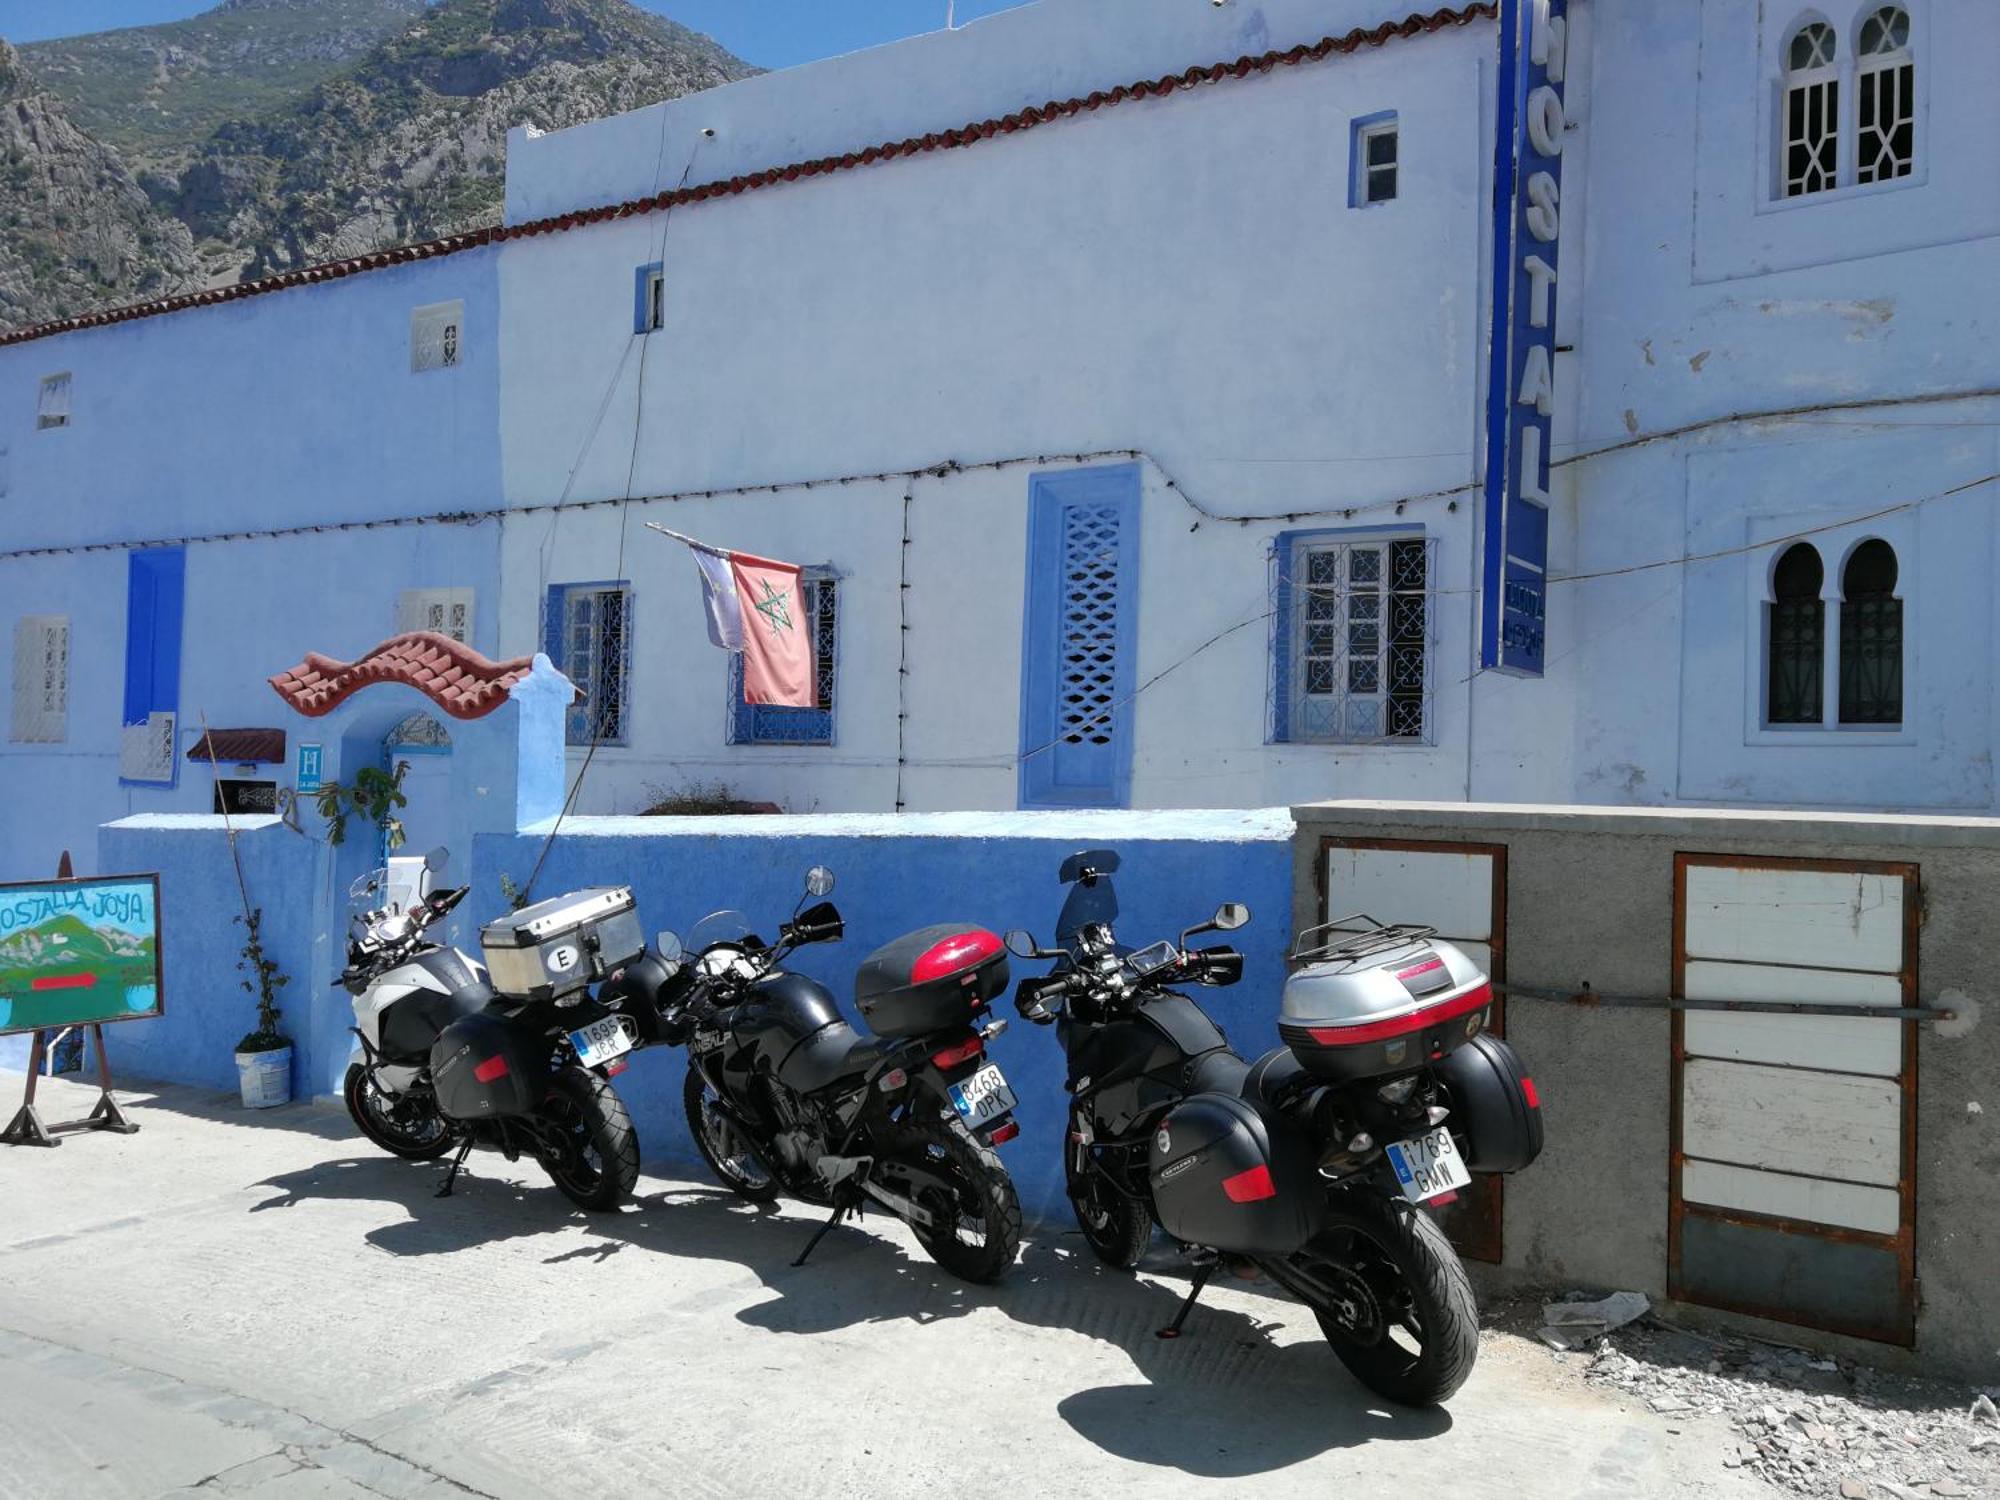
797, 1138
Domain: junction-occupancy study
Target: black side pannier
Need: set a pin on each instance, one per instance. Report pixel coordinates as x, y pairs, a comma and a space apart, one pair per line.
1494, 1105
483, 1066
930, 980
1222, 1178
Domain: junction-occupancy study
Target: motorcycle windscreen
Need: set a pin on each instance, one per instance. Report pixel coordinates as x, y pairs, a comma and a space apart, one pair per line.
1086, 905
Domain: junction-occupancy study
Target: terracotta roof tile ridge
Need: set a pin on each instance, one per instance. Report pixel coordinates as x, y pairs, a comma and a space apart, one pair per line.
458, 679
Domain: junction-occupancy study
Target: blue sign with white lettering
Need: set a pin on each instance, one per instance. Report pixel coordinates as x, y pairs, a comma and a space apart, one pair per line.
311, 761
1520, 394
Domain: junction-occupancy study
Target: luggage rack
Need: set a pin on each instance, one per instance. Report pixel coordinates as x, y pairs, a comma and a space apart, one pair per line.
1377, 937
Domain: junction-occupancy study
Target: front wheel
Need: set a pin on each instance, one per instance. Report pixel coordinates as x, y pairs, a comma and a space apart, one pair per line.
1115, 1225
975, 1228
593, 1151
1392, 1299
404, 1125
729, 1154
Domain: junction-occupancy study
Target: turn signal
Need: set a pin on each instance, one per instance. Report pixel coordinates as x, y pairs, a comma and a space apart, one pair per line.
892, 1080
951, 1057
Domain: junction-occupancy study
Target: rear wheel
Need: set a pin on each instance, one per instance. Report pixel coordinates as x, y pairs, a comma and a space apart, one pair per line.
399, 1123
728, 1152
593, 1155
1115, 1225
975, 1228
1393, 1300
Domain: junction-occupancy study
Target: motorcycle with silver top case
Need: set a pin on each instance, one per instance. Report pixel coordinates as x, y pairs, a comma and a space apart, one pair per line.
449, 1062
1309, 1165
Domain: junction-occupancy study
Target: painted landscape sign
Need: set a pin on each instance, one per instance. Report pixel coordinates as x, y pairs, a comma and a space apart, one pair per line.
79, 951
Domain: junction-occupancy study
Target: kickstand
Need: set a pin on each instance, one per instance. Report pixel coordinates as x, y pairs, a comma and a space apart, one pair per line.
464, 1150
1173, 1329
841, 1208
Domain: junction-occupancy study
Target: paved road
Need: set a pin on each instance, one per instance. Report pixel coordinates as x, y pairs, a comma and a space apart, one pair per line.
238, 1304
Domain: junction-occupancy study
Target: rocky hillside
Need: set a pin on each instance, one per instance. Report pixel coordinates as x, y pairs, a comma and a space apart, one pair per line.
403, 141
76, 229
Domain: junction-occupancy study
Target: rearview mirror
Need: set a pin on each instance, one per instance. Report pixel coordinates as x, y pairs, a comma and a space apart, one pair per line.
1230, 915
668, 946
1021, 943
819, 881
437, 859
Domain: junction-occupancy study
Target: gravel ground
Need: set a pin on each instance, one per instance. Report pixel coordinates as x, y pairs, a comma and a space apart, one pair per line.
1814, 1426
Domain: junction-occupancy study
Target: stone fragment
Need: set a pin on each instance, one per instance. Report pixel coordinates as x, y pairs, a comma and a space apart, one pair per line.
1853, 1489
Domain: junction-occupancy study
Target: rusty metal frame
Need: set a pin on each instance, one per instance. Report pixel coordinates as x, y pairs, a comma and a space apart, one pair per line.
1477, 1227
1903, 1242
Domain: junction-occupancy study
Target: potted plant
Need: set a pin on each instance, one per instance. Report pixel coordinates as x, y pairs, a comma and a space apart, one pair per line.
264, 1056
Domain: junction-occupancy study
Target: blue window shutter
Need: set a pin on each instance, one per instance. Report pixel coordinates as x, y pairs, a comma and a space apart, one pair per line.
552, 627
155, 604
642, 321
1281, 637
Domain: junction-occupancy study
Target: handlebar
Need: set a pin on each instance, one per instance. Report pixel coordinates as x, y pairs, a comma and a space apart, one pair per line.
1110, 987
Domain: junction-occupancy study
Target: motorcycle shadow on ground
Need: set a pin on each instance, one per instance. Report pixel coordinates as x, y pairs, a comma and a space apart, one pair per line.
1240, 1394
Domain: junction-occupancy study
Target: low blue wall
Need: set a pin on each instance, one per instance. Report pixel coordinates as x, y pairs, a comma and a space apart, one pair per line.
997, 870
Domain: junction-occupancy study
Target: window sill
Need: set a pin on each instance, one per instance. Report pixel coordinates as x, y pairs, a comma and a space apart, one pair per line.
1848, 736
1846, 194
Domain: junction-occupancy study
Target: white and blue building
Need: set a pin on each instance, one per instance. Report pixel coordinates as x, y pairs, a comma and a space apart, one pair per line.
1541, 402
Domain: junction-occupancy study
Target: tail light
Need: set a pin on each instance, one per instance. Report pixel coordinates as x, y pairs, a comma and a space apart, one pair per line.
1250, 1186
965, 1051
1004, 1134
1532, 1094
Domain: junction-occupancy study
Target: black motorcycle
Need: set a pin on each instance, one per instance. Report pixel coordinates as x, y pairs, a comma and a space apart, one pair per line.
448, 1063
783, 1095
1307, 1166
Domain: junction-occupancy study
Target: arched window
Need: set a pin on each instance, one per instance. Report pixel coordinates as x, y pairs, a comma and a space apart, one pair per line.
1885, 86
1812, 111
1797, 637
1871, 637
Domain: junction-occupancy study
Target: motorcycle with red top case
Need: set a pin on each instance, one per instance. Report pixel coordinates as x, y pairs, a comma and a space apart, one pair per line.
784, 1095
1309, 1166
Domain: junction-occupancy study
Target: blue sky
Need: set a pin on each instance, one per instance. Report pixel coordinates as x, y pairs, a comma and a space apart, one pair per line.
770, 33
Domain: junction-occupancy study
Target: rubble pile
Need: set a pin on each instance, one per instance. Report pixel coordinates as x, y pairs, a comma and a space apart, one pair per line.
1814, 1426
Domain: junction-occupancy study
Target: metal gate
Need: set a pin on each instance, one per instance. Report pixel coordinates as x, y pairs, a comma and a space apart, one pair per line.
1793, 1176
1460, 889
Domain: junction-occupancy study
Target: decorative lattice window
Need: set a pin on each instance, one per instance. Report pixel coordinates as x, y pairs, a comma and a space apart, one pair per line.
773, 724
1087, 657
1375, 151
1885, 86
436, 334
420, 732
41, 680
1354, 639
445, 611
1871, 637
52, 409
1811, 160
589, 638
1796, 638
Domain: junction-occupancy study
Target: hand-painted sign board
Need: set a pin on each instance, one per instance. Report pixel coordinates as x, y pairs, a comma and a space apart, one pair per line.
1520, 393
312, 762
79, 952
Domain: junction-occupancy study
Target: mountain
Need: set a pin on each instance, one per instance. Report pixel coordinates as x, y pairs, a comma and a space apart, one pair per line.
70, 943
77, 230
156, 92
398, 135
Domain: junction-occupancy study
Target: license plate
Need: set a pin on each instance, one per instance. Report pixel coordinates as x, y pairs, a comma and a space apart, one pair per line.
600, 1041
1428, 1165
982, 1097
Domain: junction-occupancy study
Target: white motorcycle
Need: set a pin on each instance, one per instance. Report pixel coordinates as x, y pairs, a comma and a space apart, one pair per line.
446, 1062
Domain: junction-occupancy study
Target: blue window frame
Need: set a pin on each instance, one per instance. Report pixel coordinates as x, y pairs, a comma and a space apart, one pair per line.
1374, 150
1353, 636
587, 633
155, 589
1079, 648
649, 298
771, 724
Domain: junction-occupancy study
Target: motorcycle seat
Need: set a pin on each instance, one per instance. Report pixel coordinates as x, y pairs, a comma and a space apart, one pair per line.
831, 1054
1256, 1083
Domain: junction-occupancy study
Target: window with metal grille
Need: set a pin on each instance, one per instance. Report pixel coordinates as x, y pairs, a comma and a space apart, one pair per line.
1811, 148
435, 336
1088, 661
1885, 98
588, 635
1871, 637
1375, 152
1797, 638
41, 680
52, 409
445, 611
772, 724
1354, 639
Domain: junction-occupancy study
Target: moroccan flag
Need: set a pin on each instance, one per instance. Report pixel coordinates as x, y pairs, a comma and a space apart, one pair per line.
756, 606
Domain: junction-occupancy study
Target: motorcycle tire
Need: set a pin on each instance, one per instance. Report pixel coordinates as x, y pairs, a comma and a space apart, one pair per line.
597, 1163
984, 1202
425, 1138
734, 1160
1403, 1322
1116, 1226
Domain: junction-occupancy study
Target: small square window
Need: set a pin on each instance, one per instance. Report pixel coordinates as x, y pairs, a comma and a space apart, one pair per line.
53, 409
649, 298
436, 334
1375, 157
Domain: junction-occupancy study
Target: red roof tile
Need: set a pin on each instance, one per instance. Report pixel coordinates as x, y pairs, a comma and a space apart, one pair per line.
452, 675
227, 745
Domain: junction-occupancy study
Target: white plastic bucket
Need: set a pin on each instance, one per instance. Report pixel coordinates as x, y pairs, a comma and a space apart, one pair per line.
265, 1077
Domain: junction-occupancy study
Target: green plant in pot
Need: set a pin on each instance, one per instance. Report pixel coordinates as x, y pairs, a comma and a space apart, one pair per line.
264, 1056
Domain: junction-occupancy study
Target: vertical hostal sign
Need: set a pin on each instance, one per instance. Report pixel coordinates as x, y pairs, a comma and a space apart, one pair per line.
1520, 392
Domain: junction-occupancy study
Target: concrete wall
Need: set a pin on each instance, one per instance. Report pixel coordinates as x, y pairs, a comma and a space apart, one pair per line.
1589, 901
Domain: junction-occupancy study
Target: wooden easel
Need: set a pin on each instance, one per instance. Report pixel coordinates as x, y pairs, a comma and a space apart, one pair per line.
26, 1128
